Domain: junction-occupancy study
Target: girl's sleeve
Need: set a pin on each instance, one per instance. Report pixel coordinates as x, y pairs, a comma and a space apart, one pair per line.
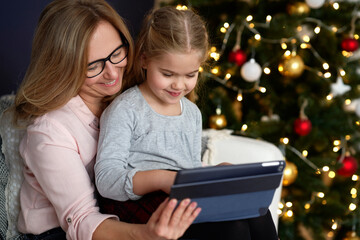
198, 138
51, 153
113, 179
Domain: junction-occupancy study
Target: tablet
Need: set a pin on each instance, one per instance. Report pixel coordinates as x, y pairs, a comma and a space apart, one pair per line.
230, 192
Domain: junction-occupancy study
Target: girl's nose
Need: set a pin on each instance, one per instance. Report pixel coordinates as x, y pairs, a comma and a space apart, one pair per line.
178, 83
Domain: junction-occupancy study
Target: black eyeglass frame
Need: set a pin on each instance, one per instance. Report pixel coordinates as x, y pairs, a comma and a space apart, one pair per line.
108, 58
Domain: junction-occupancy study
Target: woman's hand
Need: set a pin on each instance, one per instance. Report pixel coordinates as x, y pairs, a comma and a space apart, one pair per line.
170, 221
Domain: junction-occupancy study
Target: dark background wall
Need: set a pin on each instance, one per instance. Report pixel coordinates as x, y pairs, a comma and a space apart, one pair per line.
18, 20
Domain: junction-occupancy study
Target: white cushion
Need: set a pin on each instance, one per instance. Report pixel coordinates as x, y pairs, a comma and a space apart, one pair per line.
224, 147
10, 144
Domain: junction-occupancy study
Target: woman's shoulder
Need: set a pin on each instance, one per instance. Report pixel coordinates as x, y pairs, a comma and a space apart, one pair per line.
71, 115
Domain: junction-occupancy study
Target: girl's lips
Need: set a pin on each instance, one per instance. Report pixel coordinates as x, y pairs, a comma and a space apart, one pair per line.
112, 83
174, 94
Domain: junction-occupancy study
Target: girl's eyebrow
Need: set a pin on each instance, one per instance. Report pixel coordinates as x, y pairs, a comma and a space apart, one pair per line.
167, 70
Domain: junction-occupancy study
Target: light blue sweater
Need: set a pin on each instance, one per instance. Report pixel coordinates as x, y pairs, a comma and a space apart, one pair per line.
134, 137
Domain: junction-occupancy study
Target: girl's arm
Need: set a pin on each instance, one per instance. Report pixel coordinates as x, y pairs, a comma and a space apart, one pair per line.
153, 180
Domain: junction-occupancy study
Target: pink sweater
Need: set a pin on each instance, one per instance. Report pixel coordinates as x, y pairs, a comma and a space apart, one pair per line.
59, 151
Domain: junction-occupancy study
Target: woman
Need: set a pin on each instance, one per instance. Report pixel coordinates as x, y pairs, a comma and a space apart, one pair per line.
80, 55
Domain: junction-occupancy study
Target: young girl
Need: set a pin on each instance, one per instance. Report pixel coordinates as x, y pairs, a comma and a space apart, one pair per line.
152, 130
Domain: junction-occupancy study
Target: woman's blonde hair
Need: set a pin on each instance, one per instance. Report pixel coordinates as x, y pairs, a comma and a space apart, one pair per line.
168, 30
59, 55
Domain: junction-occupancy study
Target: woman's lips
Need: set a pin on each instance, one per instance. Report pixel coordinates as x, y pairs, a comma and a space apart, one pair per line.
112, 83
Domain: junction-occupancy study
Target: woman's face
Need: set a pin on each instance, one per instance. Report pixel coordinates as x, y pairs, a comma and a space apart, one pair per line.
103, 42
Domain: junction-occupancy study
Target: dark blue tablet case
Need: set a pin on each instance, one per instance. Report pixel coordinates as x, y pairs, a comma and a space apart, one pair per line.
229, 192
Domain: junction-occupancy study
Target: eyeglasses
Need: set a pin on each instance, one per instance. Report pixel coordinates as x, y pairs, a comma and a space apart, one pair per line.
117, 56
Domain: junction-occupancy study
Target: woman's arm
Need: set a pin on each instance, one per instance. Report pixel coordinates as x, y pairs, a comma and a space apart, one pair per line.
165, 223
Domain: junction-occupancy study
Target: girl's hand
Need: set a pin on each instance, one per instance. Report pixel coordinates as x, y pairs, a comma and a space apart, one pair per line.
171, 222
224, 163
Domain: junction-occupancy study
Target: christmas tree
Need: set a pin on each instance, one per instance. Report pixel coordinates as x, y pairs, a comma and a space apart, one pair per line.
288, 72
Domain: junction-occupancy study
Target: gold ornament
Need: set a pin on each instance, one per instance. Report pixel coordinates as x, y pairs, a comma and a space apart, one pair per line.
290, 173
291, 66
217, 121
298, 8
351, 236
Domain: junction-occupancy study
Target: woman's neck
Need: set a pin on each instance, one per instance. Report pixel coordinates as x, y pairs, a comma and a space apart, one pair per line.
96, 106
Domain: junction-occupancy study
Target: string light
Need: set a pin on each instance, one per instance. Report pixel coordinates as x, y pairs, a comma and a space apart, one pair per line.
327, 75
181, 7
262, 89
227, 76
239, 96
284, 140
267, 70
352, 206
320, 195
305, 153
215, 70
334, 226
317, 30
268, 18
249, 18
332, 174
326, 66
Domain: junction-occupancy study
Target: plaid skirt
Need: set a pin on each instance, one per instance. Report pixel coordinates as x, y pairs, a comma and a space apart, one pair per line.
133, 211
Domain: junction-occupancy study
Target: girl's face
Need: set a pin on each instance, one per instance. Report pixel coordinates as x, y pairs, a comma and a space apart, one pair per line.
171, 76
103, 42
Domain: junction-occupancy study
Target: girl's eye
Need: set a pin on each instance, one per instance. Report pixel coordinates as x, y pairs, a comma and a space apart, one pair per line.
167, 74
191, 75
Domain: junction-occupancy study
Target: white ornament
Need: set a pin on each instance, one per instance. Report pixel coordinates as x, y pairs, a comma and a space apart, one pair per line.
339, 88
315, 3
351, 107
273, 117
357, 109
251, 71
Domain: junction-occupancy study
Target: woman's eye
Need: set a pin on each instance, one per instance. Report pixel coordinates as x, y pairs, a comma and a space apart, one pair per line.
95, 66
117, 53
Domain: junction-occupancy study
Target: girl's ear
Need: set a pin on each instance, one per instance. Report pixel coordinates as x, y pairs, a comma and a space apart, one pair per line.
143, 61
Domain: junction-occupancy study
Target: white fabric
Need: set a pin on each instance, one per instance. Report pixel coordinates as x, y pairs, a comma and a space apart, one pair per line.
10, 144
224, 147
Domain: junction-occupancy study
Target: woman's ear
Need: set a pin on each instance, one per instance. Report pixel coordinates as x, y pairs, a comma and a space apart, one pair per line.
143, 61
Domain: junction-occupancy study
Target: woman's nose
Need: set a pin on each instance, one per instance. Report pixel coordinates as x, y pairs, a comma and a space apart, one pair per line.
110, 71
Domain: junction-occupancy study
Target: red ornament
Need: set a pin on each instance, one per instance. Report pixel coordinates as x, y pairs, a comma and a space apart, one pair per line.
350, 166
302, 126
349, 44
238, 57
